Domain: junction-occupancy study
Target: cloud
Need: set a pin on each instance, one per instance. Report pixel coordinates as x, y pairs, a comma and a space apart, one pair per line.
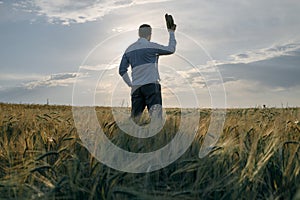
61, 79
250, 93
278, 72
37, 88
275, 67
255, 55
205, 76
16, 77
21, 94
117, 29
101, 67
66, 11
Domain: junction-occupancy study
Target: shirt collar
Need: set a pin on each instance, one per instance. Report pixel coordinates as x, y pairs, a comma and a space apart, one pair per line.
143, 40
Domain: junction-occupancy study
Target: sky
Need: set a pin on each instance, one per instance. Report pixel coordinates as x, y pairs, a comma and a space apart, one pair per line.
230, 53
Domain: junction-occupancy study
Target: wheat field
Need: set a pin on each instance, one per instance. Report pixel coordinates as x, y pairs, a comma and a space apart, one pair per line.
256, 157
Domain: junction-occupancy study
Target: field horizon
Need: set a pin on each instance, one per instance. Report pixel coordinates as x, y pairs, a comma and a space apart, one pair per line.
256, 157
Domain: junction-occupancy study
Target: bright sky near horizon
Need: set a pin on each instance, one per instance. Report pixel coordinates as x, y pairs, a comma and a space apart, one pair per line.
48, 46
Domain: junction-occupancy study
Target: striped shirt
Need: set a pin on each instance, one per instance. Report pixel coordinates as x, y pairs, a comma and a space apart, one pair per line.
143, 56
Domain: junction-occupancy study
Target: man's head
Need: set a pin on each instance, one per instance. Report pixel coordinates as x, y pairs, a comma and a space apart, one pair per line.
145, 31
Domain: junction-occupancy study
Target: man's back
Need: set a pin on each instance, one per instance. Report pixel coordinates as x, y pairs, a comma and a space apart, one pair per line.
143, 57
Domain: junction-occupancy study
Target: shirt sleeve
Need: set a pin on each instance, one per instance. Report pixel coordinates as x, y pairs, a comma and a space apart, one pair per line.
123, 70
167, 50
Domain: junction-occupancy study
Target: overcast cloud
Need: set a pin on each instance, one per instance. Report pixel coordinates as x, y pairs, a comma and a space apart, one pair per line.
76, 11
253, 45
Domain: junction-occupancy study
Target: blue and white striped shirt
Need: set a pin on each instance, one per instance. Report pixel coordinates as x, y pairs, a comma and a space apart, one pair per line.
143, 57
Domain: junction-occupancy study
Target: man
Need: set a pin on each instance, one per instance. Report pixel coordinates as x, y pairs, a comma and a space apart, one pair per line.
143, 57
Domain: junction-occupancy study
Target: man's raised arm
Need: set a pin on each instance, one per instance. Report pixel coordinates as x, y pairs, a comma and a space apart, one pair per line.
171, 48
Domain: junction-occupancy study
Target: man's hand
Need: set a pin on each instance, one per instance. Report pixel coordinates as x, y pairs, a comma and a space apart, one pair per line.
170, 22
127, 79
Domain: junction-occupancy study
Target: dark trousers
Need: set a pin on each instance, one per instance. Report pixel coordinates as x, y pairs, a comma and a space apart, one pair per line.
146, 95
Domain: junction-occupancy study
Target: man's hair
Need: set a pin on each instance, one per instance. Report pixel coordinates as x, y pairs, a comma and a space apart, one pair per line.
145, 30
